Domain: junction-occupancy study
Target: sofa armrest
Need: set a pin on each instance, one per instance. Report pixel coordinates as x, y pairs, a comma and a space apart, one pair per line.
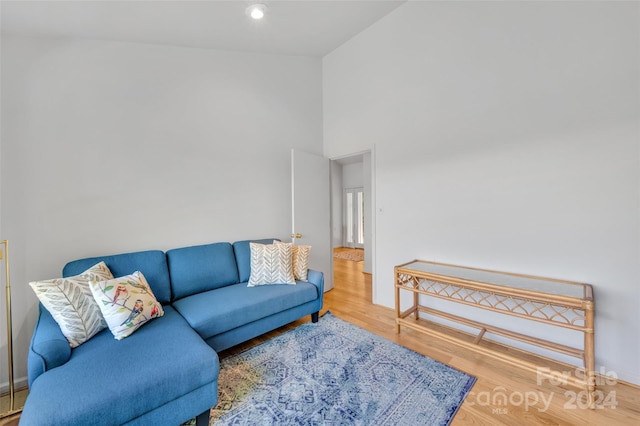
49, 348
316, 278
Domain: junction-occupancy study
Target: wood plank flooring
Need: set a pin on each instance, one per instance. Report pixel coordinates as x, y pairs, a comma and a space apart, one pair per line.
527, 403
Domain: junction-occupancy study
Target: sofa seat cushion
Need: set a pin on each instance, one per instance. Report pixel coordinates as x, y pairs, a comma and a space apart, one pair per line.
226, 308
164, 360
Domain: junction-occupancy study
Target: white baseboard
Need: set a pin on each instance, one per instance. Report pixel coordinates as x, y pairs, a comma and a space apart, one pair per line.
19, 383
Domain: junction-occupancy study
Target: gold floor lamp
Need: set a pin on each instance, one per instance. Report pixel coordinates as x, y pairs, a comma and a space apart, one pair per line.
12, 391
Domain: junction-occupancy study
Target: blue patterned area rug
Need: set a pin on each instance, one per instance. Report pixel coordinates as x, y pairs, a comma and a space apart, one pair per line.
335, 373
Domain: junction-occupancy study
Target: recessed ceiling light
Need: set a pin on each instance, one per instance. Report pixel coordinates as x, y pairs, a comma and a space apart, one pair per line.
257, 11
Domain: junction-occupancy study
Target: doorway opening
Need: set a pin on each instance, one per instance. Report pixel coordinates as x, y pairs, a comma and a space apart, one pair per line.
353, 213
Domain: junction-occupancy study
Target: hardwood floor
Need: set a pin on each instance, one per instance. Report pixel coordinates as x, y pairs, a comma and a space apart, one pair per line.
20, 396
527, 403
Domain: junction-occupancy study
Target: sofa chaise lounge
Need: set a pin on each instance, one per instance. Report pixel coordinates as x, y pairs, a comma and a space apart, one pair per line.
167, 371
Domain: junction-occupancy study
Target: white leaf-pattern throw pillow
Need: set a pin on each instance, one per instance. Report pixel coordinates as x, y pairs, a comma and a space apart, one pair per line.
271, 264
71, 304
299, 260
126, 303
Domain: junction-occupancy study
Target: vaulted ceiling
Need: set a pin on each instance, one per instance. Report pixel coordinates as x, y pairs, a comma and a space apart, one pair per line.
291, 27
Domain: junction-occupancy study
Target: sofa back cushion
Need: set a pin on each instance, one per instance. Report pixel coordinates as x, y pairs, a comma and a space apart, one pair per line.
200, 268
152, 263
242, 251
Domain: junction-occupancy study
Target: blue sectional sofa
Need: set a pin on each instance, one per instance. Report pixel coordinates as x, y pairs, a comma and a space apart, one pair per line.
167, 371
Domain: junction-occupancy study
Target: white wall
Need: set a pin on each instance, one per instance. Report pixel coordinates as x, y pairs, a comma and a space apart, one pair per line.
336, 204
506, 137
113, 147
352, 175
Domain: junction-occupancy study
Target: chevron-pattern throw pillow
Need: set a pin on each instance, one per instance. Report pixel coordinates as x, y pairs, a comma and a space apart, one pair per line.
271, 264
71, 304
299, 260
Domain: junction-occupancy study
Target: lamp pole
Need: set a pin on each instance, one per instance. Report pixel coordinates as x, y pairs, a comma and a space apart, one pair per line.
12, 391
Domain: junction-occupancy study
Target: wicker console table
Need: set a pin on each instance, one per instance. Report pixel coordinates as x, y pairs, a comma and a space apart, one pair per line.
559, 303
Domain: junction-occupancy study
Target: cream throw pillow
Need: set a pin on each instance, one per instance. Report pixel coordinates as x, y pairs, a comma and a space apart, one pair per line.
71, 303
299, 260
126, 303
271, 264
